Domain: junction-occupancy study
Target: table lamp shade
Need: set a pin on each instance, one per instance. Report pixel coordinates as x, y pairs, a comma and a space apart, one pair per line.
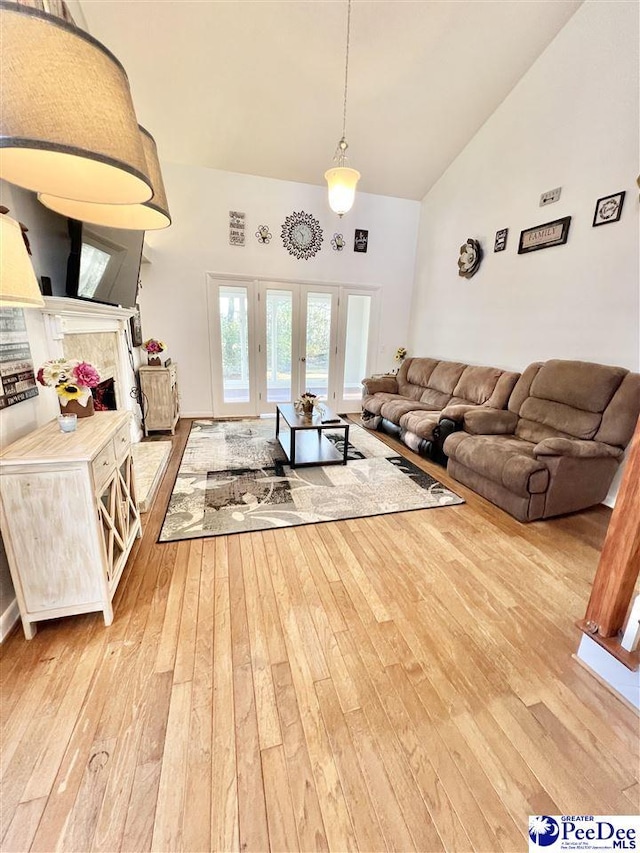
18, 284
149, 216
67, 125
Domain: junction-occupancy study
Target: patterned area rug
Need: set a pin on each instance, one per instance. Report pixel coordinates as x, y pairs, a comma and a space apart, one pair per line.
234, 478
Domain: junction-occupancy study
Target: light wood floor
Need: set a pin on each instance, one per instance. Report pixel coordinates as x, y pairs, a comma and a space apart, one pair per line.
402, 682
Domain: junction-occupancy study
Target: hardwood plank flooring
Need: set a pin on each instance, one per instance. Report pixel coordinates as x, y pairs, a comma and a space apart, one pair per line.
402, 682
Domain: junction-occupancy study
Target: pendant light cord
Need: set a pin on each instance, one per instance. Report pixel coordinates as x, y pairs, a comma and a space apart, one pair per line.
346, 71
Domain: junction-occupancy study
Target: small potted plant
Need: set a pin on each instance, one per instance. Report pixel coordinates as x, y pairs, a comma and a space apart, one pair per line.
73, 381
153, 348
306, 403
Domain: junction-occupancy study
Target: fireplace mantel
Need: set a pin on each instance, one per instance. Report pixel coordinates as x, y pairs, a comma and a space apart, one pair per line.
101, 336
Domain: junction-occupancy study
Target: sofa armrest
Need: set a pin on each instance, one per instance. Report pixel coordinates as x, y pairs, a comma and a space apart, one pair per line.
577, 448
388, 384
456, 412
483, 421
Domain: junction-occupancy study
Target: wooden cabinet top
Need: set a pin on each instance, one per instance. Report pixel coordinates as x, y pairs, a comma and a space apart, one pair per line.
49, 444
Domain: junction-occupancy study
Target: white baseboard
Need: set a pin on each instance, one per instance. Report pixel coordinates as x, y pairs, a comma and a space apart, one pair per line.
608, 669
9, 619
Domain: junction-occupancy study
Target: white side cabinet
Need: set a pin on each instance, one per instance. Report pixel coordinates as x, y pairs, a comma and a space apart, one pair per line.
69, 516
159, 386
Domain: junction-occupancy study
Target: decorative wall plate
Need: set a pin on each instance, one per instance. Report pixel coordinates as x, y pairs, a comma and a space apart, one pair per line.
470, 257
302, 235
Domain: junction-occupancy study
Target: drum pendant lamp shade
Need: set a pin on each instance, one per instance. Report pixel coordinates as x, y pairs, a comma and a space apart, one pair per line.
18, 284
67, 124
149, 216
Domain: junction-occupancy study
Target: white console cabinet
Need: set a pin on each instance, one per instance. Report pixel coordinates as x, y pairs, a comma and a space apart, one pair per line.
69, 516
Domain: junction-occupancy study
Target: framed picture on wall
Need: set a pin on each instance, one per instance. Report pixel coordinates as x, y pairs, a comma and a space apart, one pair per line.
136, 328
544, 236
608, 209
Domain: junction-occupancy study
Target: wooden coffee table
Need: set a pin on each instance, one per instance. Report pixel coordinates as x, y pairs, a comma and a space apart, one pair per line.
306, 444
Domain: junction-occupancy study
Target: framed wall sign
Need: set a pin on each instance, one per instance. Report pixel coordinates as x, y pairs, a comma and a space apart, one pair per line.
17, 374
361, 240
501, 240
608, 209
544, 236
236, 227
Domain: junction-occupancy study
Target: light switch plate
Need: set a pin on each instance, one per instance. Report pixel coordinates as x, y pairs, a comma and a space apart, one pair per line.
550, 196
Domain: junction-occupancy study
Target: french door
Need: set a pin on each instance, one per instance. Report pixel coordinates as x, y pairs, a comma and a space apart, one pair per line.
270, 341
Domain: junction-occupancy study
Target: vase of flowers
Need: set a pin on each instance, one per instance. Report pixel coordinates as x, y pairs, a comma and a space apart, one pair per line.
306, 403
401, 354
73, 381
153, 348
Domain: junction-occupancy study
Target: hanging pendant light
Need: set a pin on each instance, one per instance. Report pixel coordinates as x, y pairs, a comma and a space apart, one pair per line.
341, 179
18, 283
67, 124
149, 216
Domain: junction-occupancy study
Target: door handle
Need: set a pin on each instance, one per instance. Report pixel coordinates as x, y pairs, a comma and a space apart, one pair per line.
303, 359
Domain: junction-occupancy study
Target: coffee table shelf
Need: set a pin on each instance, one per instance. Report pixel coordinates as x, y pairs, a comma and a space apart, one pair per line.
305, 444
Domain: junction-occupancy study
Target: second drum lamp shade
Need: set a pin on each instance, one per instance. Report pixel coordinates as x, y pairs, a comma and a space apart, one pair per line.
67, 124
149, 216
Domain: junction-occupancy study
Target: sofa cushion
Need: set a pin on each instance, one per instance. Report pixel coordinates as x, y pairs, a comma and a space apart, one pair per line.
621, 415
476, 384
579, 384
420, 423
561, 417
419, 370
374, 402
393, 410
504, 459
414, 375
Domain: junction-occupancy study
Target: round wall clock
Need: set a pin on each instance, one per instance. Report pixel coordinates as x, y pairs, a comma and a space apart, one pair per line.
302, 235
470, 257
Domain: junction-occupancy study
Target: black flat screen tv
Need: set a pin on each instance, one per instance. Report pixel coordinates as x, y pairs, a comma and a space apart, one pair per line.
103, 264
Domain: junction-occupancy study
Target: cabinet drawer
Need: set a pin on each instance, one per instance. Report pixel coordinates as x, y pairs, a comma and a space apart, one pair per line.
122, 442
103, 465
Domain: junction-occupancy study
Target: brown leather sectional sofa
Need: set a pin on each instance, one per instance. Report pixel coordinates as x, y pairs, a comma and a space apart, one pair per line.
538, 445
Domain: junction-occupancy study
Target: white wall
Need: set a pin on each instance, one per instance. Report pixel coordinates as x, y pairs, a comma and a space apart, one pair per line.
173, 297
571, 122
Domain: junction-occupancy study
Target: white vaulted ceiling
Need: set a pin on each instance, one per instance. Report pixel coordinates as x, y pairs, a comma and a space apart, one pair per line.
256, 86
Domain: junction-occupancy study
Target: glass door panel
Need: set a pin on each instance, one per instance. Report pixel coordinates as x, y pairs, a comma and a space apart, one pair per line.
279, 340
318, 343
234, 341
356, 345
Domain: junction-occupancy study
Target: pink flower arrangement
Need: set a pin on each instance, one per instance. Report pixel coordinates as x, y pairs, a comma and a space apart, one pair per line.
153, 347
71, 378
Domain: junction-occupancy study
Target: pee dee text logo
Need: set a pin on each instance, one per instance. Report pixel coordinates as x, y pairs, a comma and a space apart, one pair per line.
585, 833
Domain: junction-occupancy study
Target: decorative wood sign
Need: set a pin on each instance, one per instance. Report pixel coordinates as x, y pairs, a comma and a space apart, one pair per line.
236, 228
544, 236
17, 375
